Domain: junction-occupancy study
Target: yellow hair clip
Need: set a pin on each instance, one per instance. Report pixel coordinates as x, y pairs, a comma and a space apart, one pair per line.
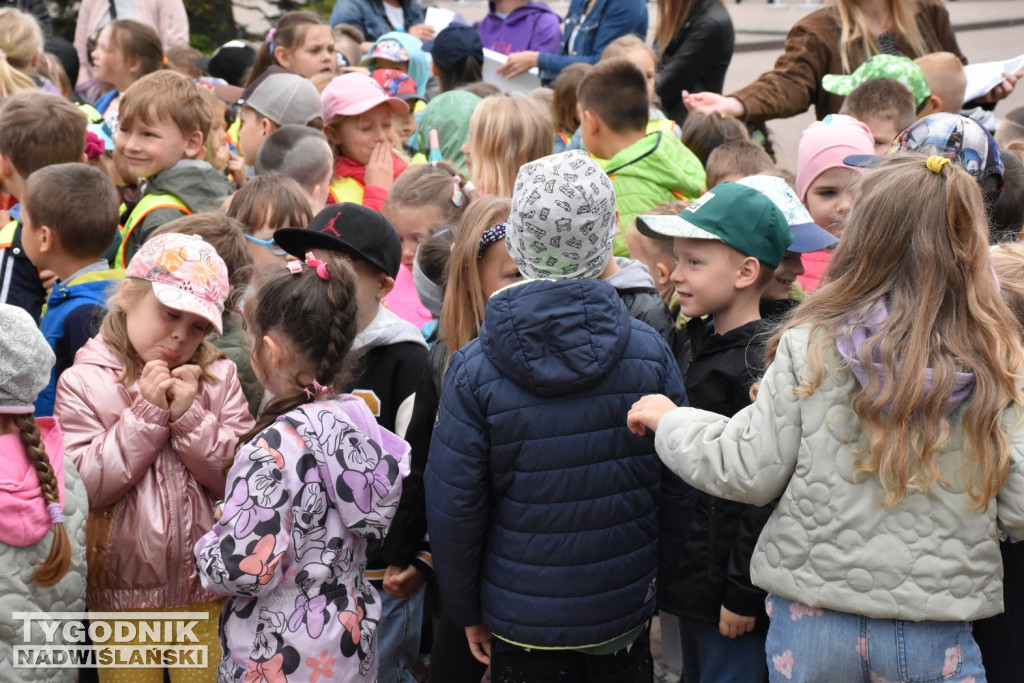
935, 163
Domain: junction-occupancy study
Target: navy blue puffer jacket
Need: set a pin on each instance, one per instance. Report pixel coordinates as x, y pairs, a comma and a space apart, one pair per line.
542, 507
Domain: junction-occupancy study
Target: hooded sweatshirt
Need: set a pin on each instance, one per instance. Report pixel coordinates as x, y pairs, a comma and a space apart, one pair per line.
636, 289
653, 170
448, 114
533, 26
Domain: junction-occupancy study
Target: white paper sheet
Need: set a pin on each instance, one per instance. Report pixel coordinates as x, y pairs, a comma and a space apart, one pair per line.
438, 18
522, 83
981, 78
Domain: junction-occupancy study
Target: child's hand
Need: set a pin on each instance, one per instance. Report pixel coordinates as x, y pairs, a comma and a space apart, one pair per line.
379, 171
646, 413
47, 277
732, 625
182, 391
479, 638
236, 168
155, 382
403, 583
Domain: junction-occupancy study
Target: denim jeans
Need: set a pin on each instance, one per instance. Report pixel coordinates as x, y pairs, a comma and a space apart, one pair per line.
814, 644
710, 657
398, 637
513, 664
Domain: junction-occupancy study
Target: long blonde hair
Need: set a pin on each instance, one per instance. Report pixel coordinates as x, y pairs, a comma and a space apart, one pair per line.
917, 242
854, 30
506, 132
462, 312
21, 42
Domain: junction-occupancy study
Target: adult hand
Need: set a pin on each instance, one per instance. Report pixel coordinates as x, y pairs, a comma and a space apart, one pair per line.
518, 63
422, 31
403, 583
479, 638
713, 103
732, 625
380, 171
646, 413
182, 391
1003, 90
155, 382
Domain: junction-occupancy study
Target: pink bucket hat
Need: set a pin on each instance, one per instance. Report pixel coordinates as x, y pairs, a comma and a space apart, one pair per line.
186, 272
353, 94
824, 144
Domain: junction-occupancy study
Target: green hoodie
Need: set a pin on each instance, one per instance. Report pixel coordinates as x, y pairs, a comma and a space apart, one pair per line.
652, 171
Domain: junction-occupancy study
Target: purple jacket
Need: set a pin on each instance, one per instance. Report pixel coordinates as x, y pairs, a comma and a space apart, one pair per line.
534, 26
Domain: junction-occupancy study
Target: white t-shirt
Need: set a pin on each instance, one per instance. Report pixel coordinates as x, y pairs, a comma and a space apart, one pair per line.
125, 10
396, 15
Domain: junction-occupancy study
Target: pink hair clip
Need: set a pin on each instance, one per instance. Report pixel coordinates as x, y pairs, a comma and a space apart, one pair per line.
318, 390
295, 267
318, 265
270, 35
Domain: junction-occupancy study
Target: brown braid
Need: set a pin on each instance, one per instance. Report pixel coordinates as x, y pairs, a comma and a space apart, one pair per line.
57, 563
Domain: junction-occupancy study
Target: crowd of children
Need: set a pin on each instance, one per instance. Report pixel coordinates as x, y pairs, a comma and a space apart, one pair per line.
393, 375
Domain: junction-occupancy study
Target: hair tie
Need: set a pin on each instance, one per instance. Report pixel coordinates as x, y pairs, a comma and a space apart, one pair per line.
490, 236
56, 511
318, 390
318, 265
270, 35
295, 267
935, 163
457, 193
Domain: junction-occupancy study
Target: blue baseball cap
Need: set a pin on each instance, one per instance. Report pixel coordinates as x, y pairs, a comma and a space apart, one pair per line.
807, 235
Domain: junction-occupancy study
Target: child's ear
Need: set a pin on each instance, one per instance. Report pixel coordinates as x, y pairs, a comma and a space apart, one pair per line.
48, 239
662, 273
749, 270
385, 284
193, 144
590, 122
282, 57
275, 351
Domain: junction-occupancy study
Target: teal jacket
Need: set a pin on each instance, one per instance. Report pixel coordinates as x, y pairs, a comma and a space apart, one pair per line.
653, 170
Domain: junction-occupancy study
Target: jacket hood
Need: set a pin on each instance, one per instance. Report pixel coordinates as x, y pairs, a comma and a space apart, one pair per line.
449, 113
632, 275
658, 159
386, 329
22, 506
419, 67
96, 352
859, 332
554, 338
199, 185
518, 16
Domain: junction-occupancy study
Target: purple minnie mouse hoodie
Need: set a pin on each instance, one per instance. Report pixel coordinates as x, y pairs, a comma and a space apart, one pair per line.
533, 26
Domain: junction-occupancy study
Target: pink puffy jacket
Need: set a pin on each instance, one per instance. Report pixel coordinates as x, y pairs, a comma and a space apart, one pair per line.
151, 483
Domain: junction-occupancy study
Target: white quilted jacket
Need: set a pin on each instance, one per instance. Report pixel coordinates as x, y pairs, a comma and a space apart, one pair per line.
830, 543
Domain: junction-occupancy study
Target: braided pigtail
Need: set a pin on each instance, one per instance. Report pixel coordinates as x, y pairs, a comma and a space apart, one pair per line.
57, 563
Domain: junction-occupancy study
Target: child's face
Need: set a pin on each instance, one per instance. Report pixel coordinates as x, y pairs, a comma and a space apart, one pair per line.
828, 198
314, 55
158, 332
643, 60
789, 268
883, 130
149, 147
413, 224
265, 258
404, 125
31, 238
251, 135
379, 63
359, 135
497, 269
109, 64
704, 276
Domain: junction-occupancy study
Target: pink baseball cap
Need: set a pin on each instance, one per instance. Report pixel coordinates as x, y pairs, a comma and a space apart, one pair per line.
186, 272
353, 94
824, 144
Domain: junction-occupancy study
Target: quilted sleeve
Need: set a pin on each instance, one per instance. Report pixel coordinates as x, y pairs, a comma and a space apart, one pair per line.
749, 458
1010, 501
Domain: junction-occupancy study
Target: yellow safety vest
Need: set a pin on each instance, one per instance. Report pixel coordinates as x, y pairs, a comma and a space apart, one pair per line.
7, 234
346, 190
146, 205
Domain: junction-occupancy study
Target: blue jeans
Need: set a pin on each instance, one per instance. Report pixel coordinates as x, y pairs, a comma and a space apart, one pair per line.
398, 637
814, 644
710, 657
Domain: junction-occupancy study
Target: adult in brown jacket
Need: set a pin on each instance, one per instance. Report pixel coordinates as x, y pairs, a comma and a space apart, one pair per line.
815, 47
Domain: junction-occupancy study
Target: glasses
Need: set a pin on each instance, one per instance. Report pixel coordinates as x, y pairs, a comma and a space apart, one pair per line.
269, 244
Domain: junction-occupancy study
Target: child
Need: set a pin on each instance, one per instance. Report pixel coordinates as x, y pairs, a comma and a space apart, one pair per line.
727, 245
517, 25
182, 58
946, 79
69, 239
279, 100
347, 47
39, 130
646, 169
657, 255
150, 412
565, 104
41, 491
164, 121
458, 56
885, 106
920, 453
125, 52
902, 70
301, 43
268, 202
22, 43
302, 154
633, 49
505, 132
702, 133
399, 84
731, 161
526, 407
402, 51
823, 180
358, 125
394, 356
313, 488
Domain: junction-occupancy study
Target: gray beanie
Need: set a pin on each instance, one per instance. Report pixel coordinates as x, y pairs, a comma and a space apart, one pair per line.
563, 218
25, 361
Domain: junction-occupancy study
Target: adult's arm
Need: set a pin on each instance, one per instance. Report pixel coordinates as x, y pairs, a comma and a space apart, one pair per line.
348, 12
172, 23
547, 35
687, 66
618, 19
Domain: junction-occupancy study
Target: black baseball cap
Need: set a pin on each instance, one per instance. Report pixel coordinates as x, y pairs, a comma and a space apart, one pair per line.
351, 229
230, 62
454, 44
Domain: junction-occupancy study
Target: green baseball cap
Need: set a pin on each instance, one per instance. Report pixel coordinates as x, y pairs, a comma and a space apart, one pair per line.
900, 69
738, 215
